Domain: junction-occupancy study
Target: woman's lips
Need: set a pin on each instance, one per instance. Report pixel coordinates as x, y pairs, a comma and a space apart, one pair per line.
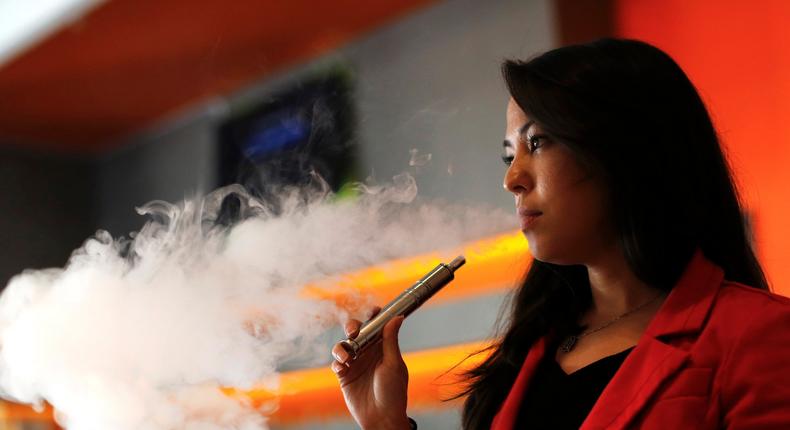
528, 217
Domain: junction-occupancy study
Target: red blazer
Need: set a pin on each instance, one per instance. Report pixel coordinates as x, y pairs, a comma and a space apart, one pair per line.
716, 355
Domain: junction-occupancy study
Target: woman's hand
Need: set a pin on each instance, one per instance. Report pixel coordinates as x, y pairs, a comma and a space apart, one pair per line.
374, 385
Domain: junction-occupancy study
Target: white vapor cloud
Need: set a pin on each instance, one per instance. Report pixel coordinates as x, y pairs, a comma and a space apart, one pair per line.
141, 333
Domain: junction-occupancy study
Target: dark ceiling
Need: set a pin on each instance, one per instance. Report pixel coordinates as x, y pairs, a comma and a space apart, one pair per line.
131, 62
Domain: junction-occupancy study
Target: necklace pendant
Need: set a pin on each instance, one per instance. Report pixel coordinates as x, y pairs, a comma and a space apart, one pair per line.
568, 344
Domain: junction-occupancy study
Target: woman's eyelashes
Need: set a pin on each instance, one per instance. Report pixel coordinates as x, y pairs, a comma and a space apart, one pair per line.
532, 144
535, 142
509, 153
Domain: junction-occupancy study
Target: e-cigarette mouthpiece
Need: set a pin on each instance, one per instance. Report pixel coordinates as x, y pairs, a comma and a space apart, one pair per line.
406, 303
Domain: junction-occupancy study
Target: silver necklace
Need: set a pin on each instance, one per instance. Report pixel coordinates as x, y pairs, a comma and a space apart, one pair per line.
571, 341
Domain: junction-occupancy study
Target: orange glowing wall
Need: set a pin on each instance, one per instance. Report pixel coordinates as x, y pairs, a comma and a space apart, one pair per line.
738, 55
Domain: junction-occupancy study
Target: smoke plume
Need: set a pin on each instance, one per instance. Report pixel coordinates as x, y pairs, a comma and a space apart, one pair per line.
141, 332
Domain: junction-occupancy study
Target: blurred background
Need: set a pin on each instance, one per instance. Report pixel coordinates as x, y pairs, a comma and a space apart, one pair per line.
108, 104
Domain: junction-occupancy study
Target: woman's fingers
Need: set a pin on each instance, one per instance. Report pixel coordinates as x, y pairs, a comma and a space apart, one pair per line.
390, 345
351, 327
339, 368
340, 354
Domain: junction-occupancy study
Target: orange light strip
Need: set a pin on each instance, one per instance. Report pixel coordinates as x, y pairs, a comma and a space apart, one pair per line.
11, 413
492, 264
314, 394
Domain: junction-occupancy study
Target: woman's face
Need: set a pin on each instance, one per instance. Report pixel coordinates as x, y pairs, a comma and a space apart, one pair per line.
562, 206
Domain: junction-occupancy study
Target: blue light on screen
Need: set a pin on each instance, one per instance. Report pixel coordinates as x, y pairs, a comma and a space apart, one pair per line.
276, 135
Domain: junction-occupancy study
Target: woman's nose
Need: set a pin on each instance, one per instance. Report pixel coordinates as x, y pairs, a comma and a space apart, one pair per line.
517, 179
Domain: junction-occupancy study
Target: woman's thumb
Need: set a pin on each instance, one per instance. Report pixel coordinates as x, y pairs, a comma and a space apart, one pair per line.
390, 346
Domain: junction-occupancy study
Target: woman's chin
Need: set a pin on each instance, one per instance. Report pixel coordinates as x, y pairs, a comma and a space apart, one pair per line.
533, 244
551, 256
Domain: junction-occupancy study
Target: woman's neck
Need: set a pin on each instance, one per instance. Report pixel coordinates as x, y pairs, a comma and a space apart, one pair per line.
614, 286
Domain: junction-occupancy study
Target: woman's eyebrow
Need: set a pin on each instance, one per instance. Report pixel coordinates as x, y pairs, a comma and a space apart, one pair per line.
523, 129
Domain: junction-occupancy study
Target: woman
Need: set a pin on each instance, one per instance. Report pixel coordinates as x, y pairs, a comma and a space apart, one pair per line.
644, 306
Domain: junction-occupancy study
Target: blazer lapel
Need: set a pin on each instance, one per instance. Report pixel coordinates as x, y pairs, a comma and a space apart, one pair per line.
653, 360
505, 419
650, 363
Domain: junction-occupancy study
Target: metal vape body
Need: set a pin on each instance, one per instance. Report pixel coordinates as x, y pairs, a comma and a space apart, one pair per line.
408, 301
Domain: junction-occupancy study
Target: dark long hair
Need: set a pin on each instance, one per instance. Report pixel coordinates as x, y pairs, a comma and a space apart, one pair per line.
628, 111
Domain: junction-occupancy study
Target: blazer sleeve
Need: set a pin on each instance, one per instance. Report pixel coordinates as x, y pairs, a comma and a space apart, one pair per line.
755, 390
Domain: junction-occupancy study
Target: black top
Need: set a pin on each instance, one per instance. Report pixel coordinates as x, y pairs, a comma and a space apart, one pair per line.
556, 400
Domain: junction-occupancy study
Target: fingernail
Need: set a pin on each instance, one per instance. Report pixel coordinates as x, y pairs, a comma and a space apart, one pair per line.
341, 356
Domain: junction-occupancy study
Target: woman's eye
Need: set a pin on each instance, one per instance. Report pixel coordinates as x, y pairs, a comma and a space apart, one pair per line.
536, 142
507, 159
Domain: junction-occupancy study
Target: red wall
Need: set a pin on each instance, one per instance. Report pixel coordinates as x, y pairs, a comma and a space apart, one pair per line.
738, 55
